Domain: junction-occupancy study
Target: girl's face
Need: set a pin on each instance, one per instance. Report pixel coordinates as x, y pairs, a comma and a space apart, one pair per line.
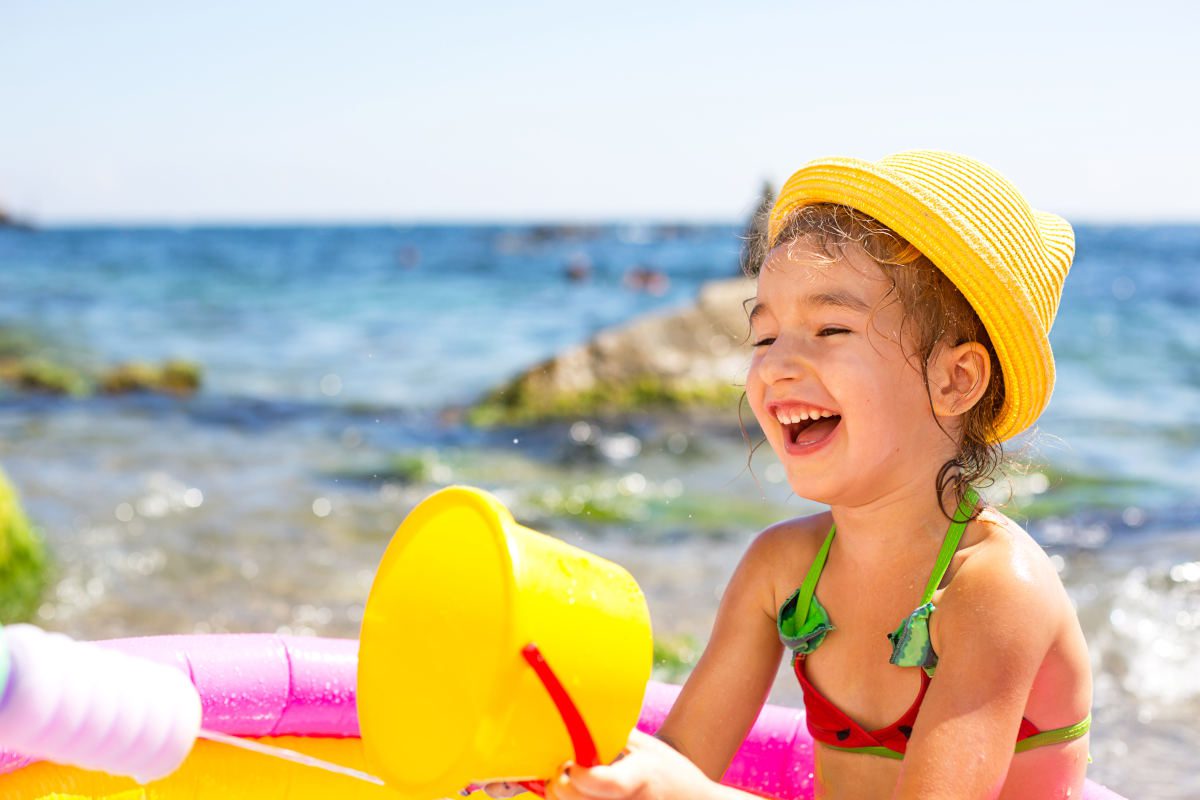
845, 410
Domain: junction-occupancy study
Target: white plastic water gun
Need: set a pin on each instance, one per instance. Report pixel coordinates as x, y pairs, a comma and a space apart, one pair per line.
84, 705
76, 703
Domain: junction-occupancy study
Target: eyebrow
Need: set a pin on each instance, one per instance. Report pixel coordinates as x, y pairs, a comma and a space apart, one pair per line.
834, 299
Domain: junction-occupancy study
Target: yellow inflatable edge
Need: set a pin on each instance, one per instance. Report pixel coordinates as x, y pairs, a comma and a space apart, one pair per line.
215, 770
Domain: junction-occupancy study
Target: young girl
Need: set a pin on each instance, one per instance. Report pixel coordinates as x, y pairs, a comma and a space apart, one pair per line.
900, 335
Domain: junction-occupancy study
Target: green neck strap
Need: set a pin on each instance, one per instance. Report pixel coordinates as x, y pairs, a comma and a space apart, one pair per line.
949, 545
814, 574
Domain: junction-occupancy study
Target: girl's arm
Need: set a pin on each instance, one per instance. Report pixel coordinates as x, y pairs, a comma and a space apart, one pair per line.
717, 705
722, 697
995, 623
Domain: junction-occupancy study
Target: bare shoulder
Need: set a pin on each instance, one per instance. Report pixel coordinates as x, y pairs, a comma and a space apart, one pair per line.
782, 553
998, 555
1005, 614
1000, 575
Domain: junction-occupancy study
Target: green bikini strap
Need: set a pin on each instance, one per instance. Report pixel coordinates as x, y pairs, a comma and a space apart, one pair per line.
950, 544
804, 599
1057, 736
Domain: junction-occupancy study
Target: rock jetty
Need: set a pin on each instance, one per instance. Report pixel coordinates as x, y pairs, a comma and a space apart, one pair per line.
9, 221
692, 358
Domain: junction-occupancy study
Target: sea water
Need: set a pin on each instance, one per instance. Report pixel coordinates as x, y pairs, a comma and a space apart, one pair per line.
334, 359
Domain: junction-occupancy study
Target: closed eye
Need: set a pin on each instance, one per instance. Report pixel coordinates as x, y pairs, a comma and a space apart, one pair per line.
832, 331
770, 340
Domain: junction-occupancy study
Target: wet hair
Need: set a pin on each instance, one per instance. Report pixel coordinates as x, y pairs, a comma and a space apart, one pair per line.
934, 313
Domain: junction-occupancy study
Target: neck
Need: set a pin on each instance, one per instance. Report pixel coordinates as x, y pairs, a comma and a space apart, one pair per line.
893, 525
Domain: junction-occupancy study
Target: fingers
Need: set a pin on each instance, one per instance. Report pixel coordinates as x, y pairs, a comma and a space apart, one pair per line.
598, 783
502, 789
639, 740
624, 778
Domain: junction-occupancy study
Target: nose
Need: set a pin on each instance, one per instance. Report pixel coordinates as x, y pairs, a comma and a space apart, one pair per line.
784, 359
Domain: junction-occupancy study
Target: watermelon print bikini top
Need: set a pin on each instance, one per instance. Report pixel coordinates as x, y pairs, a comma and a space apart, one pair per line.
804, 624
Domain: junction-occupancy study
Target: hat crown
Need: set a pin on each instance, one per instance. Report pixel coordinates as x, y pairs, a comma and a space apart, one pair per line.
1036, 247
1008, 260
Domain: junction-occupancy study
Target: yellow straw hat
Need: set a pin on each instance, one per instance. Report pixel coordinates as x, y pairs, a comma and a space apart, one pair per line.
1008, 260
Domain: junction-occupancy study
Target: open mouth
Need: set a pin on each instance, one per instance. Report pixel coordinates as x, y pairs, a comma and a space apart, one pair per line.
811, 431
805, 425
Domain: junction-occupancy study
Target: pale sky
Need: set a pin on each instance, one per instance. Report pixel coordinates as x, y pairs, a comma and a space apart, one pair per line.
212, 111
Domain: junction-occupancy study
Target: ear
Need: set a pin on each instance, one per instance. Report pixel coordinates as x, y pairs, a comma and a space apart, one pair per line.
958, 377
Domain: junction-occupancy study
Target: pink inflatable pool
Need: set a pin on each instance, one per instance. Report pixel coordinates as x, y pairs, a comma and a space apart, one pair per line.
266, 685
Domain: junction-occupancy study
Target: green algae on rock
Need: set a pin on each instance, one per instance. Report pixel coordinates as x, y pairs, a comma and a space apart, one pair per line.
31, 365
41, 376
175, 377
655, 508
405, 468
23, 562
528, 399
693, 358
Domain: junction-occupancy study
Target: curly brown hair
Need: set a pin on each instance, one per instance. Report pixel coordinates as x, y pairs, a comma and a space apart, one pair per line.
934, 312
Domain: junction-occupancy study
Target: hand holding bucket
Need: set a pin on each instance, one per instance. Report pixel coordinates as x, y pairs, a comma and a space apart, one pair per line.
450, 691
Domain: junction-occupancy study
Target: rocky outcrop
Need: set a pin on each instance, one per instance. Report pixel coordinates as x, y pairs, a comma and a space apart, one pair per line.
689, 358
9, 221
24, 370
177, 377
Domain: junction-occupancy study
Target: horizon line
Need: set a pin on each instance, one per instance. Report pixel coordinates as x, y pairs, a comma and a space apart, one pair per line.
366, 221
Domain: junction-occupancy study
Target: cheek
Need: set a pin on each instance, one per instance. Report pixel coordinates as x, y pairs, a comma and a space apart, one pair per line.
895, 406
756, 391
755, 387
877, 392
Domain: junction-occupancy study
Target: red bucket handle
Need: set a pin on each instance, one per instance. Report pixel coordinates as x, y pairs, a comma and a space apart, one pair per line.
581, 737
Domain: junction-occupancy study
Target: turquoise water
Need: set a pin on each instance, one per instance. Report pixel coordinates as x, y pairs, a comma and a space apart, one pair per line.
269, 312
333, 358
417, 318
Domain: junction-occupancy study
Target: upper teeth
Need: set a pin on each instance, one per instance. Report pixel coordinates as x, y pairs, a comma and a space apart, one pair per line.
792, 416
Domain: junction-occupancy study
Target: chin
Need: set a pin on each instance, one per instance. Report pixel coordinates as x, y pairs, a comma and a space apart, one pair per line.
837, 484
817, 489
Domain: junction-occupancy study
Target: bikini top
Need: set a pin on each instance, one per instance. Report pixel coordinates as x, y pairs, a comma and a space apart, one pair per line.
803, 625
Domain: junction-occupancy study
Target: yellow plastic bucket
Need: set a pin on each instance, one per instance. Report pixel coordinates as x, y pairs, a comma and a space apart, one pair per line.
445, 695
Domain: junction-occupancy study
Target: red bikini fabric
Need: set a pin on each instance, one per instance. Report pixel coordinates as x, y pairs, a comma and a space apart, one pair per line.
829, 724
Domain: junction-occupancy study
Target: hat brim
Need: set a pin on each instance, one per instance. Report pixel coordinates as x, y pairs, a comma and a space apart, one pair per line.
977, 263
